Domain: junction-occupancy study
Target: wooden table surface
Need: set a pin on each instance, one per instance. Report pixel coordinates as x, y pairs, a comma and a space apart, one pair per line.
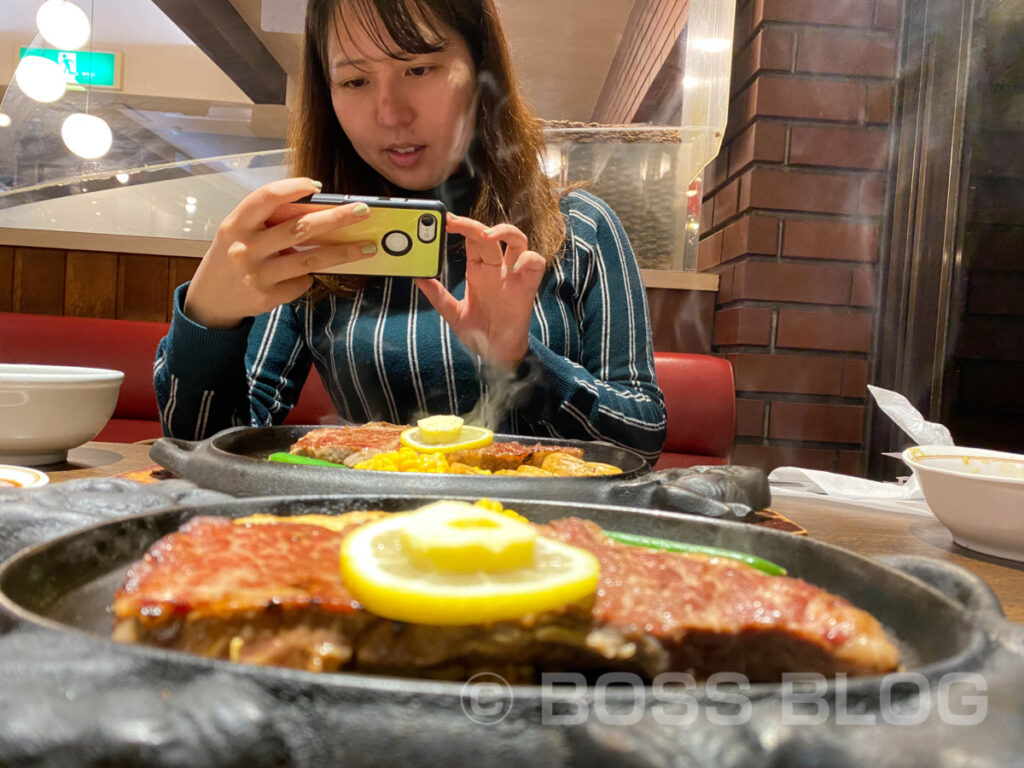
855, 528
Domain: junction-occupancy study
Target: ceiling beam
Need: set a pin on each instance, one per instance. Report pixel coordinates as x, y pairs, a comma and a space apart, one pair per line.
221, 33
651, 34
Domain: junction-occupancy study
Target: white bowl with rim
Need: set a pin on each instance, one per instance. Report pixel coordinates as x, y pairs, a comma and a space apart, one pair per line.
978, 494
45, 410
21, 477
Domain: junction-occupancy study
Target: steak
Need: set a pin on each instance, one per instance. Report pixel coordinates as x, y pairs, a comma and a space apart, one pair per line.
711, 614
349, 445
272, 594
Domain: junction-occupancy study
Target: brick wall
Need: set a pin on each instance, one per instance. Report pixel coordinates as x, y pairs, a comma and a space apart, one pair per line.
793, 213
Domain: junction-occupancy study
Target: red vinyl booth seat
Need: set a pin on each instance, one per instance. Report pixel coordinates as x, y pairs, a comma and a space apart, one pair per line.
700, 400
699, 389
122, 345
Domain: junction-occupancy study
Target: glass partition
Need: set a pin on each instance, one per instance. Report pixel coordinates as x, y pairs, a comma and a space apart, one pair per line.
633, 94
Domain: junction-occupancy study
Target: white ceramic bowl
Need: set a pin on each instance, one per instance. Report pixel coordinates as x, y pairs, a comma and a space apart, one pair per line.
978, 494
45, 410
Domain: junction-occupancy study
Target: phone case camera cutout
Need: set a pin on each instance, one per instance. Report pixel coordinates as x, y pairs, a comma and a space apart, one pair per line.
410, 234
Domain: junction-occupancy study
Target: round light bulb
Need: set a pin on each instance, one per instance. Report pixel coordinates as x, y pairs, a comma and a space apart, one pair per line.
63, 24
87, 136
5, 120
40, 78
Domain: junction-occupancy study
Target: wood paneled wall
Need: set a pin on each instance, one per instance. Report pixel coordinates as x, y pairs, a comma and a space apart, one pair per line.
140, 287
90, 283
653, 29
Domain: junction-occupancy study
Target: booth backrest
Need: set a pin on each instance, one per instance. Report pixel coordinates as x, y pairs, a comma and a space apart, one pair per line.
700, 399
123, 345
699, 389
314, 406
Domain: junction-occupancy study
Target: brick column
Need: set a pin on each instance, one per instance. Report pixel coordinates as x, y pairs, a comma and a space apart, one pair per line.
794, 207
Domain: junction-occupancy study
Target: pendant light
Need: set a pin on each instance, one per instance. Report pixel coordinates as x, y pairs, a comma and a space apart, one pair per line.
88, 136
40, 78
63, 24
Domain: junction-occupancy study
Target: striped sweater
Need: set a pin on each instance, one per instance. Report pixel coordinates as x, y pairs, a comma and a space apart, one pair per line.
387, 355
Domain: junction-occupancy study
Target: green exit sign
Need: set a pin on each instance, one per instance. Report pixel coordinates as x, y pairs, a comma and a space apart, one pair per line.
97, 69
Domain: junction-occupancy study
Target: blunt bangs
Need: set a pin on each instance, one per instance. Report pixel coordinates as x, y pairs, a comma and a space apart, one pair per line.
400, 29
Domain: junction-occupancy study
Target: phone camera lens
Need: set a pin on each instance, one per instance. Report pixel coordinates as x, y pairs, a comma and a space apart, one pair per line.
427, 229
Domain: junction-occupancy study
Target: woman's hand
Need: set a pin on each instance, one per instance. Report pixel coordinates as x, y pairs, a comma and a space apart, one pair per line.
502, 277
251, 268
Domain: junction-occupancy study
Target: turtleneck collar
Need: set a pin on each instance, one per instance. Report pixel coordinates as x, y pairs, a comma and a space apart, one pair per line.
458, 192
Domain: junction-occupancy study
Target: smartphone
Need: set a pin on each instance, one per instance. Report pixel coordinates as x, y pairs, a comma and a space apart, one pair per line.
410, 234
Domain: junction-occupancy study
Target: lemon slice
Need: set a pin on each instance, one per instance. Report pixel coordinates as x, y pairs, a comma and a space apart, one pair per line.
378, 571
469, 437
440, 429
462, 538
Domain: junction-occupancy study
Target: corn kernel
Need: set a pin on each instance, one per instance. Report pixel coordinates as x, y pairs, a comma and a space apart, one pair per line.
406, 460
495, 506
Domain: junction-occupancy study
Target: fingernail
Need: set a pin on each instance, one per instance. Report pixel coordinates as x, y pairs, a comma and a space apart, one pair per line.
515, 266
317, 184
488, 232
361, 209
369, 249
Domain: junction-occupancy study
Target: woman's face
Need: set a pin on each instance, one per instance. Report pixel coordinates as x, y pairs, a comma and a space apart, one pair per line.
411, 121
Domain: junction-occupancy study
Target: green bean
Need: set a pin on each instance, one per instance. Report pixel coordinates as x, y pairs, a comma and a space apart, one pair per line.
293, 458
635, 540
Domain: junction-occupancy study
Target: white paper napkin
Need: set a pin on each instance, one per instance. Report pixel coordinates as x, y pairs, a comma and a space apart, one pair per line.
904, 496
909, 419
843, 486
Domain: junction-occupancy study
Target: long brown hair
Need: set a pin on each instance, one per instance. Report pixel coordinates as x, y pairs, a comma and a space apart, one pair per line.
508, 144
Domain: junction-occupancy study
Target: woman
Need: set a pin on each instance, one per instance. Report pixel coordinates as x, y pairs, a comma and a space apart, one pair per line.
538, 323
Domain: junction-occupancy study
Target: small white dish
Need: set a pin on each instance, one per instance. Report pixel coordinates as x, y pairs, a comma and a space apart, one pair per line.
977, 494
21, 477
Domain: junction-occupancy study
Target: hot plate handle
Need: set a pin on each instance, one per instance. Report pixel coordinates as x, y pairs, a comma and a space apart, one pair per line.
953, 581
172, 453
729, 491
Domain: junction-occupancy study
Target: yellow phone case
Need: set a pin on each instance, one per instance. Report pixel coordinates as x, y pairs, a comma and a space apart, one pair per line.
410, 234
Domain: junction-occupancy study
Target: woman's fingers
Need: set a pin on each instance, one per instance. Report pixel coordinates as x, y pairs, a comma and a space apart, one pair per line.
528, 262
291, 264
485, 243
259, 204
289, 290
446, 305
310, 226
515, 241
479, 246
463, 225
